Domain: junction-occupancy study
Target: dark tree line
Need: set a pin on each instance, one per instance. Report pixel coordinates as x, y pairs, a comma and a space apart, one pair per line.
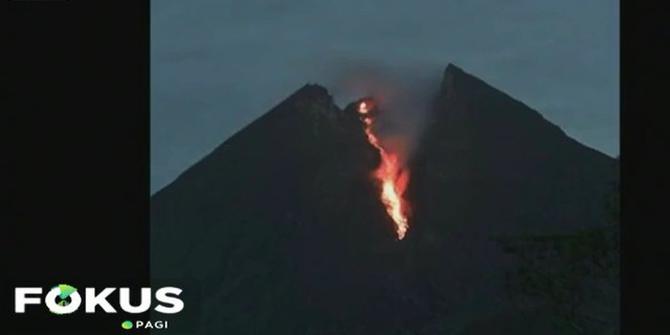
573, 277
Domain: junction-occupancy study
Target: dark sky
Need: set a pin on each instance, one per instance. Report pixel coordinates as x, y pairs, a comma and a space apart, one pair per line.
218, 65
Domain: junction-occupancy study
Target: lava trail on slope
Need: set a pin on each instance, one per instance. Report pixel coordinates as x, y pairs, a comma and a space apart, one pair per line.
392, 176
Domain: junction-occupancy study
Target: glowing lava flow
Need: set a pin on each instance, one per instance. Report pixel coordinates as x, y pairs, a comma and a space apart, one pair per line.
390, 174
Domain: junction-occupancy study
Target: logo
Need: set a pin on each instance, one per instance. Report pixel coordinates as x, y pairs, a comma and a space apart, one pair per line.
66, 299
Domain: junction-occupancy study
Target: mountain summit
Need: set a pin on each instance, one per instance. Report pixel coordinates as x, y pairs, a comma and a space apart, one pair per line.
281, 231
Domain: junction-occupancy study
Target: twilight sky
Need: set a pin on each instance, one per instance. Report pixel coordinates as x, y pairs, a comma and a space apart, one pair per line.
216, 65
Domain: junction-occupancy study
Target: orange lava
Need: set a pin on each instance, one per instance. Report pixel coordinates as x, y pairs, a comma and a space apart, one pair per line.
391, 175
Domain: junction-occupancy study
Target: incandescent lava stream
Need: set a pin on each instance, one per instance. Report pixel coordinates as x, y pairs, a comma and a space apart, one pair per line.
390, 174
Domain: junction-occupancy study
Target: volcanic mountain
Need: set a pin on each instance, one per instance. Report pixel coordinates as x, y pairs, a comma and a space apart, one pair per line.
280, 230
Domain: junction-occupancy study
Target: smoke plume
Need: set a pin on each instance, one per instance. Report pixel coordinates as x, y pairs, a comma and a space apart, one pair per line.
403, 94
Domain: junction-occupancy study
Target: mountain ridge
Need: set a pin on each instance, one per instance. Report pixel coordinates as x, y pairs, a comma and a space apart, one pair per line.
322, 94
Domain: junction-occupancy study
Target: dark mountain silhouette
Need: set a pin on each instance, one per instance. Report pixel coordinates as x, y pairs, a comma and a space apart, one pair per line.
281, 231
490, 167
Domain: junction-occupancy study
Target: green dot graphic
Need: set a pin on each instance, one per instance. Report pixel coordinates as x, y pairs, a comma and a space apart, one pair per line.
126, 324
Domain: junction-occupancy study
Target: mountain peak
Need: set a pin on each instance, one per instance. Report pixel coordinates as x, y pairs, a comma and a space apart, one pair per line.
450, 74
312, 92
474, 94
452, 68
309, 98
454, 78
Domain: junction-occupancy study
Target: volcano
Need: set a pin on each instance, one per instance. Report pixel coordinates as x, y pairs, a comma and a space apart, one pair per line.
280, 229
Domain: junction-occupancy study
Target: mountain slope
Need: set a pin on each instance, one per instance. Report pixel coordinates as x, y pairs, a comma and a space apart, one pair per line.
283, 224
494, 159
489, 167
